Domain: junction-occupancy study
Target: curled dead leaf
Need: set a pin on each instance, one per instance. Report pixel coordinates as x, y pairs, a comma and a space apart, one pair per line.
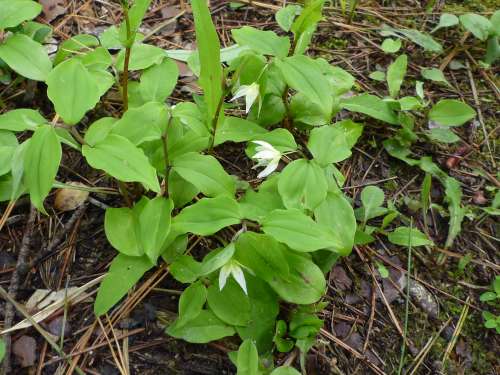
68, 199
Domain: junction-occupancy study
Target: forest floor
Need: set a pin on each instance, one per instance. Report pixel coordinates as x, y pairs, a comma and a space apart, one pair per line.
365, 317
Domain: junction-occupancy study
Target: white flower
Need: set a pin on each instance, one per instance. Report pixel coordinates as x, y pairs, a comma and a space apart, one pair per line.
250, 92
232, 268
267, 156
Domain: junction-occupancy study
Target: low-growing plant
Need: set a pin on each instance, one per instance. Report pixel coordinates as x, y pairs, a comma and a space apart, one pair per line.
491, 320
273, 238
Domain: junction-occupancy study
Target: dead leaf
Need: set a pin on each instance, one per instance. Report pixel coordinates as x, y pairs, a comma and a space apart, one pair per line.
68, 199
52, 9
340, 278
24, 348
479, 198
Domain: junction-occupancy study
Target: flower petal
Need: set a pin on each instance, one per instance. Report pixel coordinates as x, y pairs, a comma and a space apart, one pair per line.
239, 276
242, 91
224, 273
271, 167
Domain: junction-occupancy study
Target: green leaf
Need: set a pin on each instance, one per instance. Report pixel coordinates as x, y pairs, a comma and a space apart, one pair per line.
185, 269
445, 20
21, 119
328, 213
208, 44
136, 14
230, 304
41, 162
2, 346
263, 42
405, 236
262, 254
158, 81
206, 327
8, 146
14, 12
142, 124
206, 173
281, 139
73, 45
478, 25
142, 56
396, 74
123, 274
304, 75
372, 106
298, 231
422, 39
191, 303
285, 16
488, 296
302, 183
377, 76
391, 45
99, 130
207, 216
155, 225
256, 205
306, 283
119, 157
308, 18
436, 75
236, 129
331, 144
122, 228
216, 259
26, 57
444, 135
248, 359
285, 370
73, 90
372, 198
451, 112
180, 190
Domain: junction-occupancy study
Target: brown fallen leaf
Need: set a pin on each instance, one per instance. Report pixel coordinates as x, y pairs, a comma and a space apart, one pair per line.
479, 198
68, 199
52, 9
24, 348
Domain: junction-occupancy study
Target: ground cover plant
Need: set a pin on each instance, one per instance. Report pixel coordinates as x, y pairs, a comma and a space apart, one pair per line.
253, 246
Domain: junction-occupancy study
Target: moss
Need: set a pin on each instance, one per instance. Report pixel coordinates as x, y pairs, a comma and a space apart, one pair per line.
463, 6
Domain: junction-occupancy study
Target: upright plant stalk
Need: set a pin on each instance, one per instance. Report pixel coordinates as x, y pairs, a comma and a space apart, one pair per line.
127, 58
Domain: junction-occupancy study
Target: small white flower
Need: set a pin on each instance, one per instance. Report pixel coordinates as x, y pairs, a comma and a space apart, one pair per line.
232, 268
267, 156
250, 92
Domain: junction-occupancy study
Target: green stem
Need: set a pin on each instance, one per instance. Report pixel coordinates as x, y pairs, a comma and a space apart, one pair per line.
127, 59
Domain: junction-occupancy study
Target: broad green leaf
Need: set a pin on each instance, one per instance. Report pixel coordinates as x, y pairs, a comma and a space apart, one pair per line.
285, 16
263, 42
308, 18
230, 304
185, 269
158, 81
18, 187
304, 75
8, 145
410, 103
451, 112
142, 56
285, 370
216, 259
99, 130
41, 162
2, 343
306, 283
444, 135
121, 226
248, 359
136, 14
396, 74
191, 302
119, 157
337, 214
26, 57
281, 139
377, 76
445, 20
478, 25
123, 274
488, 296
206, 327
256, 205
372, 198
154, 221
405, 236
180, 190
331, 144
21, 119
436, 75
391, 45
142, 124
73, 45
302, 184
422, 39
206, 173
298, 231
13, 12
207, 216
372, 106
236, 129
208, 44
72, 90
262, 254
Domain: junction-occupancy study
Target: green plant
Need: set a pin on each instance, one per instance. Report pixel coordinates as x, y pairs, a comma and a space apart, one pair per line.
492, 296
272, 238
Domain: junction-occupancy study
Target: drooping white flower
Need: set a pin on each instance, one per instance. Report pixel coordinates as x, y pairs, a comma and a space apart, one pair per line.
250, 92
266, 156
232, 268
